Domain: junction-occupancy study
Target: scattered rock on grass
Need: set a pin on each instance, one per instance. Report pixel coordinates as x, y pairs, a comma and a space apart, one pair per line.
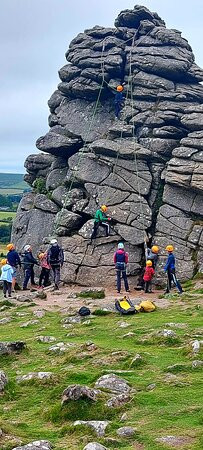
3, 380
40, 294
118, 400
76, 391
166, 334
39, 313
34, 376
7, 348
30, 322
60, 347
46, 339
72, 319
177, 368
94, 446
24, 298
151, 387
128, 335
99, 426
197, 364
176, 325
5, 320
174, 441
126, 431
123, 325
36, 445
136, 361
196, 346
113, 383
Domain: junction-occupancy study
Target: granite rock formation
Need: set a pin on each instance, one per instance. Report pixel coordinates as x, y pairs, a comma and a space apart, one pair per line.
147, 167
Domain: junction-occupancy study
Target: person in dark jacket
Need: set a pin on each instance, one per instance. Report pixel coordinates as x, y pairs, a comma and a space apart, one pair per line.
101, 220
120, 261
151, 254
28, 264
55, 257
148, 275
13, 259
171, 272
119, 101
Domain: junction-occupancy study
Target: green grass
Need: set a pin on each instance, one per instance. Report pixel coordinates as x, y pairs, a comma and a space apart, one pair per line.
12, 180
3, 249
91, 294
33, 410
5, 214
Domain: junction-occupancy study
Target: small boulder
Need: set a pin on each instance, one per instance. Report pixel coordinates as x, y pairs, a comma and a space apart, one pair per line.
39, 313
76, 391
94, 446
151, 387
124, 325
136, 361
72, 319
60, 347
166, 334
174, 441
113, 383
24, 298
195, 346
35, 445
46, 339
126, 432
128, 335
5, 320
118, 400
34, 376
6, 348
197, 364
3, 380
99, 426
29, 323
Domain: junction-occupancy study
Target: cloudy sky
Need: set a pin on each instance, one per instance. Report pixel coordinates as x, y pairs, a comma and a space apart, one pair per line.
34, 35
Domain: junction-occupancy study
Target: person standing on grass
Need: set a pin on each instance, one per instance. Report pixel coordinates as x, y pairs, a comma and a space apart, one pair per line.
28, 263
55, 258
120, 261
6, 277
13, 259
171, 272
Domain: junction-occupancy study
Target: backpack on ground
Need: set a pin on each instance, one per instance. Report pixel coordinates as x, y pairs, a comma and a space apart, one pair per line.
145, 306
83, 311
125, 306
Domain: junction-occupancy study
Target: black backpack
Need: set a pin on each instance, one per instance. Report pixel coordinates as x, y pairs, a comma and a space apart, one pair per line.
83, 311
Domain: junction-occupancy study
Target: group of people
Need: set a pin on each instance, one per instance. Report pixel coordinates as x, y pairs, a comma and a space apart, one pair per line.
49, 261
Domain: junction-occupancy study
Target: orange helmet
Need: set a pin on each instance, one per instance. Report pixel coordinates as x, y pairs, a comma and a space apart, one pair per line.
10, 247
119, 88
155, 249
104, 208
41, 255
169, 248
3, 262
149, 263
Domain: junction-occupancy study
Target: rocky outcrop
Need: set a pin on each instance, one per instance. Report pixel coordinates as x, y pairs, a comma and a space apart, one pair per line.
147, 167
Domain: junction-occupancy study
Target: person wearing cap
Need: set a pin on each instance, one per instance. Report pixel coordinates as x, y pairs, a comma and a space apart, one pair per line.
151, 254
170, 270
148, 275
45, 269
28, 264
55, 258
13, 259
119, 100
101, 220
120, 261
6, 277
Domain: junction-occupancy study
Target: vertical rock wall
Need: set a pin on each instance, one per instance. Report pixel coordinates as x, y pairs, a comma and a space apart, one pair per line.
147, 167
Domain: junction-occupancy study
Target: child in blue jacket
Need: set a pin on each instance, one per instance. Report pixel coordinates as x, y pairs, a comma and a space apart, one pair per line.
6, 277
170, 269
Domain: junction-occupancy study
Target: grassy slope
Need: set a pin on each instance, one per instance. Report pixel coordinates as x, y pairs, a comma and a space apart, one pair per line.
32, 411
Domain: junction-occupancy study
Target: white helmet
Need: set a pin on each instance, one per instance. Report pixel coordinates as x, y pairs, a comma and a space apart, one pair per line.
27, 248
53, 241
120, 246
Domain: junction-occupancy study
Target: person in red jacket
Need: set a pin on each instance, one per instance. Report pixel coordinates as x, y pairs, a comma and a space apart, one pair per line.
148, 275
120, 261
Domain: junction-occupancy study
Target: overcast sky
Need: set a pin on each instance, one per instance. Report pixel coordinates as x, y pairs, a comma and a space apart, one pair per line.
34, 35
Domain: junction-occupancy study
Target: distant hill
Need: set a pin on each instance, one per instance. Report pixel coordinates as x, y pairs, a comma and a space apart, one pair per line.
12, 182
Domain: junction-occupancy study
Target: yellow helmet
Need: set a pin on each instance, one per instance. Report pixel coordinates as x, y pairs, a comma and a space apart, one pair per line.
10, 247
41, 255
149, 263
155, 249
3, 262
169, 248
104, 208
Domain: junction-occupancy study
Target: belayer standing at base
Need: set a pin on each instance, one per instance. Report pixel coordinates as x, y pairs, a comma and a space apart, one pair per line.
55, 257
28, 264
120, 261
171, 272
119, 101
101, 220
13, 259
45, 270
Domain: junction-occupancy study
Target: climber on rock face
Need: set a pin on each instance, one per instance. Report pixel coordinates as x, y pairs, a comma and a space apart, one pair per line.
170, 269
119, 101
101, 220
55, 257
151, 253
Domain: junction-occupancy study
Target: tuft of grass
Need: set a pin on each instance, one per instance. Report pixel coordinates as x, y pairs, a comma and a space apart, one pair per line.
91, 294
101, 312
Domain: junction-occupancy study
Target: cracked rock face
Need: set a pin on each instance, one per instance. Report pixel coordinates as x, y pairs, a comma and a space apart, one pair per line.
147, 167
